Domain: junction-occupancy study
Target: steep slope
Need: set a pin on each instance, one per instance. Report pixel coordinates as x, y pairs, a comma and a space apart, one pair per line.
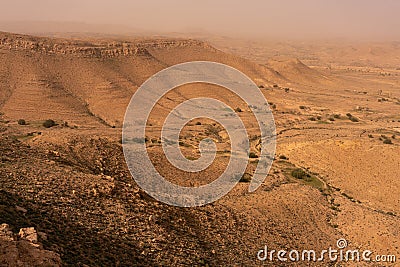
296, 71
78, 81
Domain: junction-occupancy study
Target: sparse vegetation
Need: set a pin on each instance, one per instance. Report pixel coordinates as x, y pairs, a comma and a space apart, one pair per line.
387, 141
238, 109
246, 178
299, 174
302, 107
336, 116
181, 143
253, 155
354, 119
49, 123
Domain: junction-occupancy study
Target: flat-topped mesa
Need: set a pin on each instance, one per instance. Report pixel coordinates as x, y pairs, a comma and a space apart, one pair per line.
95, 49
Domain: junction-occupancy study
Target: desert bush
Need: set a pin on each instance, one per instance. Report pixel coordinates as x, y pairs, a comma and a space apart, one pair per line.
336, 116
302, 107
238, 109
353, 119
246, 178
198, 123
253, 155
49, 123
349, 115
331, 119
283, 157
21, 122
370, 136
181, 143
312, 119
275, 86
299, 174
387, 141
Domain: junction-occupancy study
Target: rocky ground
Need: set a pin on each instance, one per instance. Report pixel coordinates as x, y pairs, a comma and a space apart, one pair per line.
334, 176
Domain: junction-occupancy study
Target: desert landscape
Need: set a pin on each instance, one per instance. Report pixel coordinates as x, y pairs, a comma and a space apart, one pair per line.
67, 197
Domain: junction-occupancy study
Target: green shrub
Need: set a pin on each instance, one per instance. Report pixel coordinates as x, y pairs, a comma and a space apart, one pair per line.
49, 123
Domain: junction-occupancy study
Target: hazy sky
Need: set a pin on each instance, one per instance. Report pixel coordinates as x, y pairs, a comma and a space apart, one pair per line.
372, 19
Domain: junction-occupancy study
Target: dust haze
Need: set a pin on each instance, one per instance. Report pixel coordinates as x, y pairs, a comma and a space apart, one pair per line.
68, 70
354, 19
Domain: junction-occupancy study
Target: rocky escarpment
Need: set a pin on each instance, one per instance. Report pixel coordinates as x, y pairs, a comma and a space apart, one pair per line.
88, 49
23, 249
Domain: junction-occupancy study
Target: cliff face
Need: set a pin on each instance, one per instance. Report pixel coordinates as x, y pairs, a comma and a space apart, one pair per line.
95, 49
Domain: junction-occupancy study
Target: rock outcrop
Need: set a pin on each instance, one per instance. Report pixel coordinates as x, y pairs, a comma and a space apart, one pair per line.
87, 49
23, 249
